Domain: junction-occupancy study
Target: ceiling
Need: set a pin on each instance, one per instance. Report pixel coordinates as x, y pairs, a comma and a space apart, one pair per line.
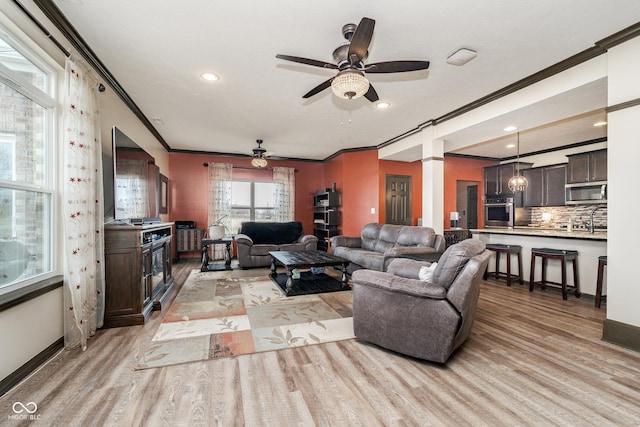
157, 50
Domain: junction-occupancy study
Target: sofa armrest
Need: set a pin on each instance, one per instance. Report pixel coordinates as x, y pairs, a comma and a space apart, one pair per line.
346, 241
309, 241
439, 244
243, 239
389, 282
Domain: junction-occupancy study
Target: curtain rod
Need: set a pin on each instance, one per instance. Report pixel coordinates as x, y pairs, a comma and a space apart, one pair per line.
206, 165
42, 28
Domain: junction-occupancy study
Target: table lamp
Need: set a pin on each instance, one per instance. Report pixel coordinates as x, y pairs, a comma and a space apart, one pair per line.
454, 217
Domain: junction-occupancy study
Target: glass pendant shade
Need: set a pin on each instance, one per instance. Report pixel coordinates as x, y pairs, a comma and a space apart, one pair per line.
258, 162
518, 182
350, 84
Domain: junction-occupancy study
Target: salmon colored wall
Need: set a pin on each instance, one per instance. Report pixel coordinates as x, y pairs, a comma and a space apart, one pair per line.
356, 178
188, 189
359, 177
413, 169
460, 168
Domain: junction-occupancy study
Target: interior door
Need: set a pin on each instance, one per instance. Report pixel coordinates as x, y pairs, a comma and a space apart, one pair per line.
472, 207
398, 199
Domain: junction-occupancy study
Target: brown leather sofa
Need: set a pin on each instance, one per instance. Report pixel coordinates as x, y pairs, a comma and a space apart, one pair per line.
423, 319
256, 239
379, 244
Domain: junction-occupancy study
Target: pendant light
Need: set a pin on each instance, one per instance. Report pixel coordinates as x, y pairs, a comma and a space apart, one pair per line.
518, 182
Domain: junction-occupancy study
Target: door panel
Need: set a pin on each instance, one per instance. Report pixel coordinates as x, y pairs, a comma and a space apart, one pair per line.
472, 207
398, 199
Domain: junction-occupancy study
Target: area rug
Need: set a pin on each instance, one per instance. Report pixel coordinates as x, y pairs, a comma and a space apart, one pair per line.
215, 316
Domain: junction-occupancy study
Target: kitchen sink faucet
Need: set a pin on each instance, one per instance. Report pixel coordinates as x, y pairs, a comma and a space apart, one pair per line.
590, 226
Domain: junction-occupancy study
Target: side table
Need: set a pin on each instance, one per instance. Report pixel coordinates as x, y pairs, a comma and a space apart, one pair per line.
226, 240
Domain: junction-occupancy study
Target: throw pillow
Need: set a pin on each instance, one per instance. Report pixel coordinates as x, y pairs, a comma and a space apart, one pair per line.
425, 272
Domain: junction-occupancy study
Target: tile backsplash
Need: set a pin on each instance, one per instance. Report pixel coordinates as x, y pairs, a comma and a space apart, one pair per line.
561, 215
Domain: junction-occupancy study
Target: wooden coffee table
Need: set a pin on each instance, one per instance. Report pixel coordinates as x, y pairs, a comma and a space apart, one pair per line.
306, 259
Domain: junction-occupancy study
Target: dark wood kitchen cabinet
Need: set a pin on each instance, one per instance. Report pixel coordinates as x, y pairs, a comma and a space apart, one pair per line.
496, 178
587, 167
546, 186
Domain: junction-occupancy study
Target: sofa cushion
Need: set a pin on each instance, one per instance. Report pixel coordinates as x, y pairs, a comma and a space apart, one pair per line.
369, 236
366, 259
263, 250
275, 233
388, 237
416, 236
454, 259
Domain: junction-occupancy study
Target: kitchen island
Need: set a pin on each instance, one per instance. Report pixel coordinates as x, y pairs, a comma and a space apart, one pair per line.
589, 246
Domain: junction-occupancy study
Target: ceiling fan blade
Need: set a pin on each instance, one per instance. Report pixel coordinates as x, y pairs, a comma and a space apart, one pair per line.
306, 61
396, 66
371, 94
322, 86
360, 40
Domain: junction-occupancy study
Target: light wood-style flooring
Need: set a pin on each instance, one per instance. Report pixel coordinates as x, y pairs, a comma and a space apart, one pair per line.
532, 360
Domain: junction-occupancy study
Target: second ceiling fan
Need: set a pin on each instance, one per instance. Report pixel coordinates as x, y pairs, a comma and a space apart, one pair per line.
350, 82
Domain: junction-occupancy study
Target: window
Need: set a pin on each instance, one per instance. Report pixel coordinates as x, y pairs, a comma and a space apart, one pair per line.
251, 201
26, 165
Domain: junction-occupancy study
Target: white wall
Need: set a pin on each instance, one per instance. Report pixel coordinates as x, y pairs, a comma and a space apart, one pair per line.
623, 300
29, 328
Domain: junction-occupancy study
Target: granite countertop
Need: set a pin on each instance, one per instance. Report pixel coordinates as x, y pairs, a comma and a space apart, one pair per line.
545, 232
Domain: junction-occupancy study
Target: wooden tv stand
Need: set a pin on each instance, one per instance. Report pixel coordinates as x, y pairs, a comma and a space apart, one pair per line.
137, 272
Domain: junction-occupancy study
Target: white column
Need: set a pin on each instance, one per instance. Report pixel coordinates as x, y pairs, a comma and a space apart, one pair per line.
623, 293
432, 181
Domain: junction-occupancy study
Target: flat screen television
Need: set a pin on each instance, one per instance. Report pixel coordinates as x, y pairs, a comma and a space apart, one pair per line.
131, 181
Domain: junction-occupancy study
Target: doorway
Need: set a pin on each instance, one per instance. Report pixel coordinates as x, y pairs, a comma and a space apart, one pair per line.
467, 203
398, 199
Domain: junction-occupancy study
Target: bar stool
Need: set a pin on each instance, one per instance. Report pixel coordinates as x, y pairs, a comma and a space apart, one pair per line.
563, 256
602, 262
508, 250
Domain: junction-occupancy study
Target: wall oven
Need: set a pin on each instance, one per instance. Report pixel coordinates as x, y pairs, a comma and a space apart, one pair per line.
499, 212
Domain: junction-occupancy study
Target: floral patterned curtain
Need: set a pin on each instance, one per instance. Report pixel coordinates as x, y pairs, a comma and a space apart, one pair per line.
82, 207
285, 193
220, 175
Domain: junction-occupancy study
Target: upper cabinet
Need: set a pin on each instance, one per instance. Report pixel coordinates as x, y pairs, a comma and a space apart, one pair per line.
546, 186
587, 167
496, 178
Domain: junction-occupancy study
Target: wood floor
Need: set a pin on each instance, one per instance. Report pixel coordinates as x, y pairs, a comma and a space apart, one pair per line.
532, 359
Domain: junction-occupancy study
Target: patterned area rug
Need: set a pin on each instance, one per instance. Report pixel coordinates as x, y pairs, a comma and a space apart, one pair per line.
214, 317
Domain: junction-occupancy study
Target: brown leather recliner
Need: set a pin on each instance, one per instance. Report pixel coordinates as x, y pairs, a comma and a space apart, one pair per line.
423, 319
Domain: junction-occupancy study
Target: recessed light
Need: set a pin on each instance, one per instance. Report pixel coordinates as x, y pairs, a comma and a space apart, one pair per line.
598, 124
382, 105
510, 128
209, 77
511, 145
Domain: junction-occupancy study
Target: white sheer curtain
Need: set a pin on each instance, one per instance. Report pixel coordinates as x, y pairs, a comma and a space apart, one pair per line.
82, 207
132, 189
220, 175
285, 193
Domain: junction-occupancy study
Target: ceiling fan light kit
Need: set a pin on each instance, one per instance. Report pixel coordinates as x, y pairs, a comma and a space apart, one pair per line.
461, 56
258, 160
350, 84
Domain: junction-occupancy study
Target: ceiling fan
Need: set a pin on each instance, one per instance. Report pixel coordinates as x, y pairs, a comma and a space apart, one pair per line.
350, 82
260, 155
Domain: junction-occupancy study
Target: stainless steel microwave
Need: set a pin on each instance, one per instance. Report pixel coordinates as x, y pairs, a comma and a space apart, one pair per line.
590, 193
